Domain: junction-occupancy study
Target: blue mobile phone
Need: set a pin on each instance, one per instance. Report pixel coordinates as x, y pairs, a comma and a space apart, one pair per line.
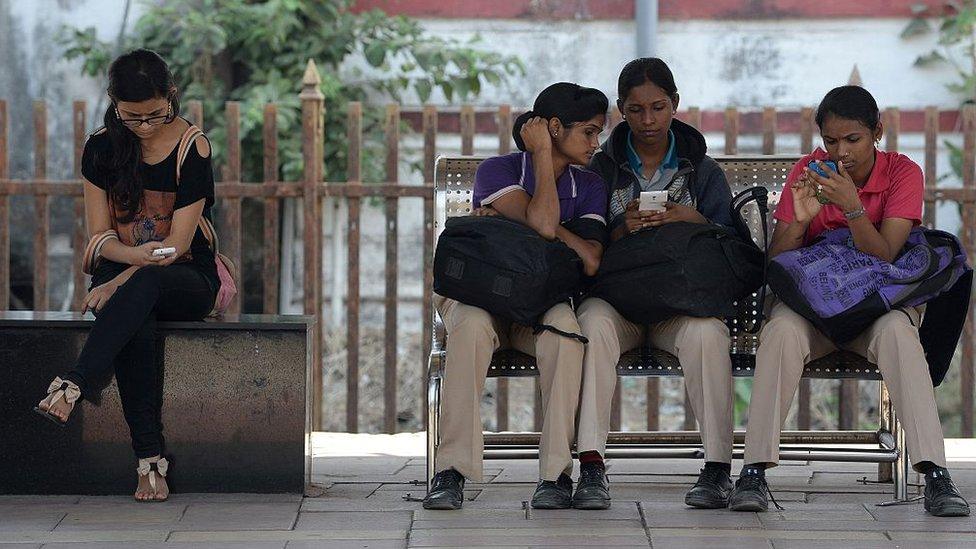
816, 167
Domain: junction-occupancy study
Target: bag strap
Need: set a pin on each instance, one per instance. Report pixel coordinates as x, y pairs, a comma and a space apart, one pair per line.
183, 150
759, 195
539, 328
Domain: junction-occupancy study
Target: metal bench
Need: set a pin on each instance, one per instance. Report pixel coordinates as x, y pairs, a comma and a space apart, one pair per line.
454, 181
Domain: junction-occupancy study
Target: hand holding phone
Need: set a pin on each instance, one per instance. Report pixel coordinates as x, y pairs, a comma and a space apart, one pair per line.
653, 201
164, 252
815, 167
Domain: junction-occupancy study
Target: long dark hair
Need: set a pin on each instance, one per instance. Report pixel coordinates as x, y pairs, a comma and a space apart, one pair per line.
138, 75
570, 103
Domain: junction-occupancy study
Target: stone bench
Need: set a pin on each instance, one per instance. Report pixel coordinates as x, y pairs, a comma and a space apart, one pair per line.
235, 408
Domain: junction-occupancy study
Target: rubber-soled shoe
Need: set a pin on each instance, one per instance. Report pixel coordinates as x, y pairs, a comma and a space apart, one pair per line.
711, 491
446, 491
750, 491
556, 494
593, 490
941, 497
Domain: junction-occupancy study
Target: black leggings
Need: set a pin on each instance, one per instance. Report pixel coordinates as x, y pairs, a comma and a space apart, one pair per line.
124, 336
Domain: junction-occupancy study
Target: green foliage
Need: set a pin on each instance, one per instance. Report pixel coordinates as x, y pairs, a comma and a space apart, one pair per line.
255, 52
957, 39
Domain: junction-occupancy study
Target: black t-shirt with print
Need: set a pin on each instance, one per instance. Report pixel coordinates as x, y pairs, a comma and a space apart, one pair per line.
160, 193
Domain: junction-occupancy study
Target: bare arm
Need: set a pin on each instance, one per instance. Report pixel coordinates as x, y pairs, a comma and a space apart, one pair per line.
98, 219
787, 236
590, 251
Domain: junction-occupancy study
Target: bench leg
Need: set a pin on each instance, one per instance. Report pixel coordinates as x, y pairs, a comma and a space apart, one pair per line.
433, 416
885, 419
902, 467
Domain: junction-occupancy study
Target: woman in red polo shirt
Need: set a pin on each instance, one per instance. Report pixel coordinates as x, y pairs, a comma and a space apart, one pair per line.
878, 196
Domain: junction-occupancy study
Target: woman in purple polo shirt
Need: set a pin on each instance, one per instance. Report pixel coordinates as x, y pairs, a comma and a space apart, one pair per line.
544, 187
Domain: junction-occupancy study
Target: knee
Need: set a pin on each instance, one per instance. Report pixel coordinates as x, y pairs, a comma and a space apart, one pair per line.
470, 324
562, 317
705, 331
780, 331
595, 323
147, 276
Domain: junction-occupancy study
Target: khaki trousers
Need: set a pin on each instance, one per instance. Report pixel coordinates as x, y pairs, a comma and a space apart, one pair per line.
702, 347
473, 336
788, 342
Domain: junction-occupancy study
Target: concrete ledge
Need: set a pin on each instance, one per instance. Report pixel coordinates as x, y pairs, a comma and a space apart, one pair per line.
235, 401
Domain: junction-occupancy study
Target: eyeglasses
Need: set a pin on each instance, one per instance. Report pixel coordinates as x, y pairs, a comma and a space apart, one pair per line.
152, 120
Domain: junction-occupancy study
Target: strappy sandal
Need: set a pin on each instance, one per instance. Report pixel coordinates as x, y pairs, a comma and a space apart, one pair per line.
150, 469
58, 390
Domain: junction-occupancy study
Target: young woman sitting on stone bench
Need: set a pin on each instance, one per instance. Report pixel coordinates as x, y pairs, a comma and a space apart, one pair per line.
878, 196
135, 208
541, 187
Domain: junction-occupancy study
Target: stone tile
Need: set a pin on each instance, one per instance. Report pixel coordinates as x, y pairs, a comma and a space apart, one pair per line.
730, 534
168, 545
930, 544
393, 503
131, 516
13, 500
348, 544
830, 544
692, 542
700, 518
238, 516
603, 527
846, 482
351, 466
482, 538
13, 519
619, 510
187, 498
467, 513
915, 514
817, 512
100, 536
827, 497
251, 536
405, 473
933, 537
344, 520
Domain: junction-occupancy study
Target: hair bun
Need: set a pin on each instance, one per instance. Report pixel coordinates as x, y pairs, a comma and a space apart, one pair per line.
517, 128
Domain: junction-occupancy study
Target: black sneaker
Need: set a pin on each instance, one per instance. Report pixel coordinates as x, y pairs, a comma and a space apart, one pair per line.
750, 492
593, 490
556, 494
446, 491
711, 491
941, 497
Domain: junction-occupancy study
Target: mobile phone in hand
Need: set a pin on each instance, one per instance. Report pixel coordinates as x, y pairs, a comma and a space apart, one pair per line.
652, 201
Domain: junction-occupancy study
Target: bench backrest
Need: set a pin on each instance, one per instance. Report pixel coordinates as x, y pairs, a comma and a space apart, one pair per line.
454, 183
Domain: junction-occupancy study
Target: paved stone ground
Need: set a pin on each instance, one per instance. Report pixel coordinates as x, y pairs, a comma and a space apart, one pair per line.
369, 483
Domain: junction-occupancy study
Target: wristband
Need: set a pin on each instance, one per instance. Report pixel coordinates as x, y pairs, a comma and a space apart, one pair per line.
854, 214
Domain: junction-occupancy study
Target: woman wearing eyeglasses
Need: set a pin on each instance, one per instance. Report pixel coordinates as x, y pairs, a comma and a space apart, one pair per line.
151, 261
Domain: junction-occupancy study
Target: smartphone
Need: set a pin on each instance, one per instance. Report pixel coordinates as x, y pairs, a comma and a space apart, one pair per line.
816, 167
164, 251
652, 201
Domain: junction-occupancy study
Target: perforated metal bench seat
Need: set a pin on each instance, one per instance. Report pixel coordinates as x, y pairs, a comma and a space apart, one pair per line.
657, 363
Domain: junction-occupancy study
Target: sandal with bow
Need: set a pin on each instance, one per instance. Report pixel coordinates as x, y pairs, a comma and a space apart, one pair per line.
153, 468
60, 389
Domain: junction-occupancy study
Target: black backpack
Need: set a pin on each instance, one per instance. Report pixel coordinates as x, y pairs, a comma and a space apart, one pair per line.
682, 268
505, 268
